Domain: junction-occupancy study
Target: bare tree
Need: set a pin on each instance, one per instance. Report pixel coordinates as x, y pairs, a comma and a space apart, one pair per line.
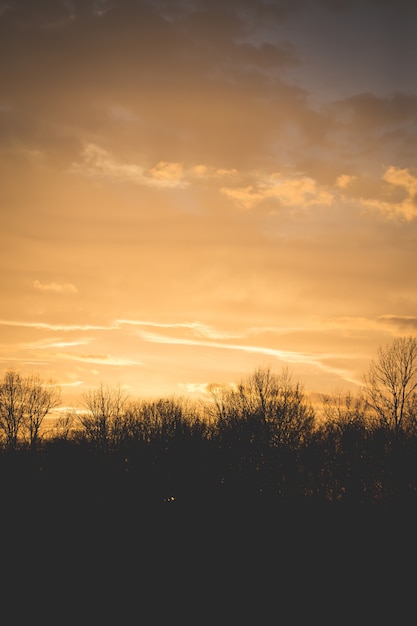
64, 425
391, 383
12, 408
104, 412
292, 415
24, 404
41, 398
343, 411
275, 403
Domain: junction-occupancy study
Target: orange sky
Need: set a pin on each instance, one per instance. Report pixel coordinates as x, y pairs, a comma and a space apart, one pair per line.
193, 189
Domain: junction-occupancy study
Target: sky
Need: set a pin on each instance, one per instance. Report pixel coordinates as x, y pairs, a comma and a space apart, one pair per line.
193, 189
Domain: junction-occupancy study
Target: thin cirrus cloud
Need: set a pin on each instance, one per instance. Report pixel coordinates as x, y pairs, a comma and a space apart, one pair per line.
143, 338
99, 359
197, 335
197, 328
52, 343
284, 356
54, 287
52, 326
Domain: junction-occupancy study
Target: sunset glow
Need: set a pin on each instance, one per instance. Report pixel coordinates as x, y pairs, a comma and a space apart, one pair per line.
192, 189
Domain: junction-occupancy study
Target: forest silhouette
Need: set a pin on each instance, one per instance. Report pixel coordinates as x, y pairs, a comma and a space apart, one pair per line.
216, 490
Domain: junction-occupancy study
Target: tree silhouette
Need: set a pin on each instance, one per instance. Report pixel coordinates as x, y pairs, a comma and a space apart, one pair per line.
259, 441
24, 404
101, 417
391, 382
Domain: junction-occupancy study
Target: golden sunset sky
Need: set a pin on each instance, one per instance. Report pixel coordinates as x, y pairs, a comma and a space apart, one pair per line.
192, 189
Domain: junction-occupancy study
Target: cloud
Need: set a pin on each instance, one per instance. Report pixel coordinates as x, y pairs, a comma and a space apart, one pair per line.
246, 197
56, 343
406, 208
402, 321
167, 175
55, 287
194, 388
344, 180
203, 171
75, 383
198, 329
49, 326
227, 173
97, 162
293, 192
322, 361
403, 178
200, 170
4, 7
100, 359
300, 192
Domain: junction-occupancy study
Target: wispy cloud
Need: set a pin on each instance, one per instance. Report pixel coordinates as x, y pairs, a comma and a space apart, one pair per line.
74, 383
194, 388
54, 327
97, 162
55, 287
402, 321
199, 329
56, 343
99, 359
282, 355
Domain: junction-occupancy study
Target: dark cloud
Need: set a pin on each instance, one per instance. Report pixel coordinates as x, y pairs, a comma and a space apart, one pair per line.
367, 111
374, 131
406, 322
199, 79
185, 71
22, 15
345, 5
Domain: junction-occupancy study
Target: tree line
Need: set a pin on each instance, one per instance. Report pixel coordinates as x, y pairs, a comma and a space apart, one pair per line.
259, 439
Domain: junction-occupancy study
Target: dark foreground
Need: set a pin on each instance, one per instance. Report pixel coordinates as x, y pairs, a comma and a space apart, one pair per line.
92, 559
